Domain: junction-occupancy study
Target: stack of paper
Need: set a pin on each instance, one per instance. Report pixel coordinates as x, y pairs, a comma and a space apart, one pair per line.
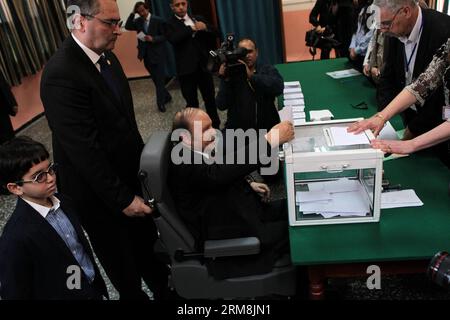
343, 73
400, 199
294, 99
342, 197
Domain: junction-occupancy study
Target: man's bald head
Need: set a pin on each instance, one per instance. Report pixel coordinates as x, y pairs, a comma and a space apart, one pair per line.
198, 125
185, 119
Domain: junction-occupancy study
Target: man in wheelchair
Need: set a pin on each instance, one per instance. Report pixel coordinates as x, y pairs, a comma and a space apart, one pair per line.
216, 201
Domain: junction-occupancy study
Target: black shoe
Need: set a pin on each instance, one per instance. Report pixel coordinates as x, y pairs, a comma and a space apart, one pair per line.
162, 108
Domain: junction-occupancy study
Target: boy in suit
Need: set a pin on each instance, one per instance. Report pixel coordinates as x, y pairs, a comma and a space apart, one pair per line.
44, 253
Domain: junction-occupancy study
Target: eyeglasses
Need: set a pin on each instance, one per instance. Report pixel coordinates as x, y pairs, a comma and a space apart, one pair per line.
110, 22
388, 24
41, 176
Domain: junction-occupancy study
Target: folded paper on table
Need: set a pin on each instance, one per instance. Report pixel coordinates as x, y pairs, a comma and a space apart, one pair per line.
400, 199
320, 115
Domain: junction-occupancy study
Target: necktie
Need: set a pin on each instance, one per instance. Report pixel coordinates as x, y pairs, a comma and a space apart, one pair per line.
107, 74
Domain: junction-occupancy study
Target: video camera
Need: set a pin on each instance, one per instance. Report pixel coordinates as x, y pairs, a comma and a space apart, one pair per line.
229, 55
314, 40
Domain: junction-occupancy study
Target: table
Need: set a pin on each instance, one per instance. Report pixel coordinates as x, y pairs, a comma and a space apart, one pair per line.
405, 239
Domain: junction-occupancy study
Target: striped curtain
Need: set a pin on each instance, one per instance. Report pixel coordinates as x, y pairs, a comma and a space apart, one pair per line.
30, 32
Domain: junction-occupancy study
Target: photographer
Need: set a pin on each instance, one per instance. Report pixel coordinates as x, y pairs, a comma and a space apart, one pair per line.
250, 95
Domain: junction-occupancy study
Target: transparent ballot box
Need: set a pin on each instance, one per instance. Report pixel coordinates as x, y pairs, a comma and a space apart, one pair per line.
332, 176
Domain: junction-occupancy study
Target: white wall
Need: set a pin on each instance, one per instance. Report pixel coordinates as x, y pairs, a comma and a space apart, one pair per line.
294, 5
125, 7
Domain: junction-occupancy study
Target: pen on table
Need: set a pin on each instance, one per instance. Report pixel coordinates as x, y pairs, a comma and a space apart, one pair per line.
396, 187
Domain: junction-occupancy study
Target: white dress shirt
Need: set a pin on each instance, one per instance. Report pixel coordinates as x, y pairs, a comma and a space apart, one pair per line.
93, 56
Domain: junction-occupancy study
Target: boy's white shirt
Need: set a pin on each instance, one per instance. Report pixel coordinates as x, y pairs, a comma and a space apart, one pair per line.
43, 211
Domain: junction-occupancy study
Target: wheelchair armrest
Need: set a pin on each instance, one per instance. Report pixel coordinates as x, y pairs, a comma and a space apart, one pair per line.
231, 247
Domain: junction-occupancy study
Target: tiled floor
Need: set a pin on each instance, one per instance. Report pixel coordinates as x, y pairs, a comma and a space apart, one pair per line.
150, 119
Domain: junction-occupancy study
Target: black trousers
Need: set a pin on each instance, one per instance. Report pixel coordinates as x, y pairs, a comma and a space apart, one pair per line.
124, 247
204, 81
158, 73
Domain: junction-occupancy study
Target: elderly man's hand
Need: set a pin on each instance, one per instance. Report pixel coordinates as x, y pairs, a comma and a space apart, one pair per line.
137, 208
262, 190
281, 133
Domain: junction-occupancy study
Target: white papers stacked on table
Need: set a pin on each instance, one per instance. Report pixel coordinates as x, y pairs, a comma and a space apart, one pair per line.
343, 73
400, 199
338, 136
342, 197
320, 115
295, 100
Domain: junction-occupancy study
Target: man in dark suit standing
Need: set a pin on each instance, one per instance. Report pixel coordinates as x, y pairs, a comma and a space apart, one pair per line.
151, 48
96, 142
413, 36
192, 39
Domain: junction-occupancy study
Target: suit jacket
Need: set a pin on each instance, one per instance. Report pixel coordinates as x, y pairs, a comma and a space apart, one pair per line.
95, 137
34, 259
155, 51
216, 202
436, 31
7, 100
191, 49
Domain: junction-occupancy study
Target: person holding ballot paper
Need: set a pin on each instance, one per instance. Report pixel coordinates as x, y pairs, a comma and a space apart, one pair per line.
151, 48
436, 75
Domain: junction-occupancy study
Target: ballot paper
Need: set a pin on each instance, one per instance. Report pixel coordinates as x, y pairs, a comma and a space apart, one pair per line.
298, 122
286, 114
141, 36
298, 115
292, 90
344, 204
334, 186
342, 197
388, 133
292, 84
294, 102
338, 136
343, 73
298, 108
400, 199
320, 115
293, 96
309, 196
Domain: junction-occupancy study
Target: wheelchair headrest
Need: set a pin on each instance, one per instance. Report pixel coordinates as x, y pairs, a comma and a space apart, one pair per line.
155, 161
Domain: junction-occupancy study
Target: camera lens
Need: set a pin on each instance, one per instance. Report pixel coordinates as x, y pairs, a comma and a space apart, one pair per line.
439, 269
